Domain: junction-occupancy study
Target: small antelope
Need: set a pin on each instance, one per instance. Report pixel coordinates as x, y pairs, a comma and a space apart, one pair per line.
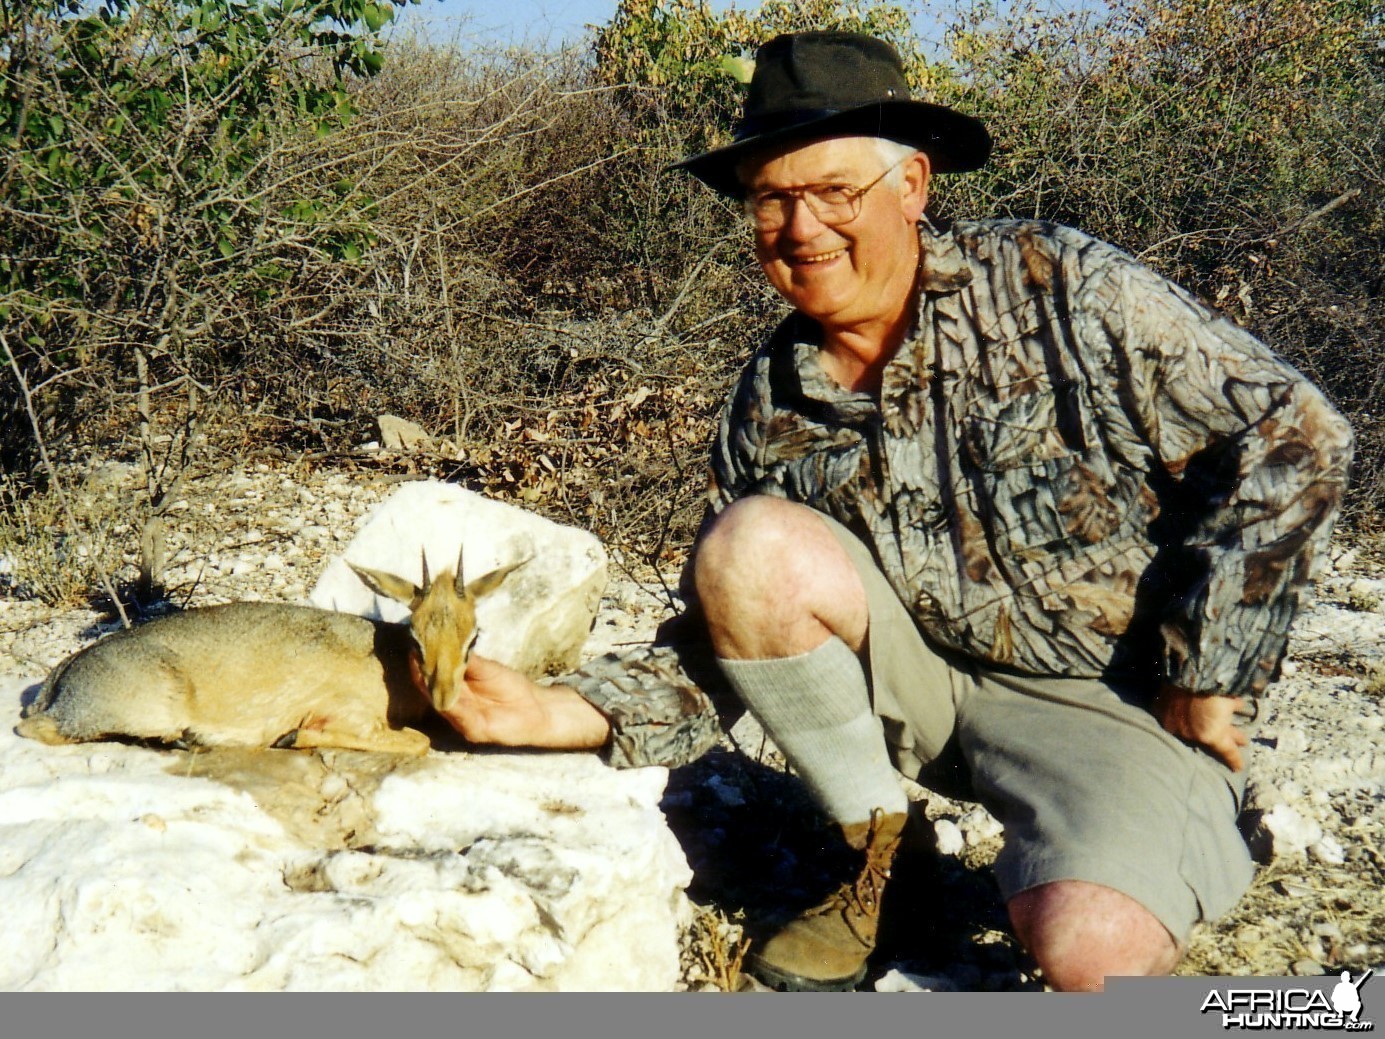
272, 674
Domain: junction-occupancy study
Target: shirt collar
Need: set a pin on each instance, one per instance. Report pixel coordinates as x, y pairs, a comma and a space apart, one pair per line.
943, 269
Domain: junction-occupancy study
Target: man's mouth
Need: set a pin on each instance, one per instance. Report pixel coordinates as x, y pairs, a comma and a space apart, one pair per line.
816, 258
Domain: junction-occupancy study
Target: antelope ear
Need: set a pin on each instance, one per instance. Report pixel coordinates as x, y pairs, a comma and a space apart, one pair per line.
485, 585
388, 585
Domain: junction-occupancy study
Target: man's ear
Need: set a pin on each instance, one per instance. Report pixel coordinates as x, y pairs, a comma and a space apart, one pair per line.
917, 173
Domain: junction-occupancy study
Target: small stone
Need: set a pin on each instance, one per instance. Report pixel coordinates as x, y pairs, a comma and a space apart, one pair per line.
979, 825
1327, 929
1366, 594
1345, 559
950, 839
1328, 851
398, 434
1288, 667
1289, 832
900, 981
1306, 968
1295, 888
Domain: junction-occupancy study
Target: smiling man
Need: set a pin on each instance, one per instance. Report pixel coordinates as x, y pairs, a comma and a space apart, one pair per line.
995, 507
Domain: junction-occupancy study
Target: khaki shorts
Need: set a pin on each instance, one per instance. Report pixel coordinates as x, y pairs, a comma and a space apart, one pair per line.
1086, 782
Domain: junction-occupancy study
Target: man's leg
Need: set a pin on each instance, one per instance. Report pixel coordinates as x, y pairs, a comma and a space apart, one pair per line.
788, 616
1080, 933
1118, 836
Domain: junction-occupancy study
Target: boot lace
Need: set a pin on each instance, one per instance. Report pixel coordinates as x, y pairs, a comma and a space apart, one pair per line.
858, 900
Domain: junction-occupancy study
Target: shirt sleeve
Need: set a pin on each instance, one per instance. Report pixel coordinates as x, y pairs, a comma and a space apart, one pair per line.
662, 700
738, 450
1255, 461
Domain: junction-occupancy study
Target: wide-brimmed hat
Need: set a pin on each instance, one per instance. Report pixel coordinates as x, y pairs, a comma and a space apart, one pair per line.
809, 85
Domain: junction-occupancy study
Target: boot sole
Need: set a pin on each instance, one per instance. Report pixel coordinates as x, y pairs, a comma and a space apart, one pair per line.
785, 981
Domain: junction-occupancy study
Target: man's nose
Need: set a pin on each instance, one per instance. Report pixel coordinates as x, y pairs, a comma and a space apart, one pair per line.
803, 224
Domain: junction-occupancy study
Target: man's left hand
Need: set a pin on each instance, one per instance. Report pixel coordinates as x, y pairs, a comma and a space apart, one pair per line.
1206, 721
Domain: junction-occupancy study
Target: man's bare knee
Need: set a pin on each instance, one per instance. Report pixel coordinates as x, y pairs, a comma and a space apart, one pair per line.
1082, 933
774, 581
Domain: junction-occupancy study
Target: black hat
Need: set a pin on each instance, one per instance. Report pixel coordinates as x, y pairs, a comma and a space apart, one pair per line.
827, 84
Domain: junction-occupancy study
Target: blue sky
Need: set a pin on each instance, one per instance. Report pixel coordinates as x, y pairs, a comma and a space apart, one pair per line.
551, 22
505, 21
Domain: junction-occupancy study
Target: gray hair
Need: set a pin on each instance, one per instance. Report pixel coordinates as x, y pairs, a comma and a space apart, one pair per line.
893, 154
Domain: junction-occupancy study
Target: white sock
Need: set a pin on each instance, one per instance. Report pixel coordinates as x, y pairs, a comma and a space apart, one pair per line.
816, 709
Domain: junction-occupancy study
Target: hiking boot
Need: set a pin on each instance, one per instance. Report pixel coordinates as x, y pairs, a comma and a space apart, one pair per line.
825, 948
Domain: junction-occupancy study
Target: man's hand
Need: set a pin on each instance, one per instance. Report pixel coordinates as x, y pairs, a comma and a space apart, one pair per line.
1205, 721
501, 706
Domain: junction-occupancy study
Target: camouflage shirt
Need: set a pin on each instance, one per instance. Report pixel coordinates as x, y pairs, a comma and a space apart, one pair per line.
1072, 469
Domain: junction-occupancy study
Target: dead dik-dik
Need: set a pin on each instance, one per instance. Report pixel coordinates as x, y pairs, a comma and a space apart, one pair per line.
271, 674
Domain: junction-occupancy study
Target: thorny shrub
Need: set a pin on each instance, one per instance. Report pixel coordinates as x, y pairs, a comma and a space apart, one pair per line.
496, 248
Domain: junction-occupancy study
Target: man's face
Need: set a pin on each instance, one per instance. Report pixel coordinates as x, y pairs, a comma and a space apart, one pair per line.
855, 273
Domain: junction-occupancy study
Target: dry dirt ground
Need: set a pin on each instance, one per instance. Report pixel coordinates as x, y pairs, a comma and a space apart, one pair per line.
758, 848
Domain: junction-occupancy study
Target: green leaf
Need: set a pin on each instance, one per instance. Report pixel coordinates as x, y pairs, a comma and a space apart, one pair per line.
738, 67
377, 16
226, 249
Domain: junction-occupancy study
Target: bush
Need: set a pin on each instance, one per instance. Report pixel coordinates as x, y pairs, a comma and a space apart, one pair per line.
153, 198
492, 244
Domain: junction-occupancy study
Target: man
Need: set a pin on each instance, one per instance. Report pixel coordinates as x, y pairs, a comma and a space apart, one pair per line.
994, 492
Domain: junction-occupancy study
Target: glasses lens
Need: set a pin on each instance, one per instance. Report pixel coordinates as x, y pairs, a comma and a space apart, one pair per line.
831, 205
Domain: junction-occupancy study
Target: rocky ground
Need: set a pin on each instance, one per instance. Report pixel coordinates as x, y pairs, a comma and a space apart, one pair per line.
757, 848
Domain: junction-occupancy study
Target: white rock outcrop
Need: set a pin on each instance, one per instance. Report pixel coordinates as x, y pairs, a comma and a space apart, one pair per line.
540, 616
123, 868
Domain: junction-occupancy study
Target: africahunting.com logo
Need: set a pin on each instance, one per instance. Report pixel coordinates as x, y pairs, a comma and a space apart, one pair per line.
1339, 1009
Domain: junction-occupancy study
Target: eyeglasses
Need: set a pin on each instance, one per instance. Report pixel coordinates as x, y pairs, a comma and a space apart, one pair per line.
832, 204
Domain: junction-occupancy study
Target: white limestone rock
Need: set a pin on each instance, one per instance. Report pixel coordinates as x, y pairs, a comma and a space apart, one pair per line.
1290, 834
124, 868
538, 619
949, 837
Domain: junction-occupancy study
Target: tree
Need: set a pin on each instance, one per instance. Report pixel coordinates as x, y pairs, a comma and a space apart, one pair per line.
160, 173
